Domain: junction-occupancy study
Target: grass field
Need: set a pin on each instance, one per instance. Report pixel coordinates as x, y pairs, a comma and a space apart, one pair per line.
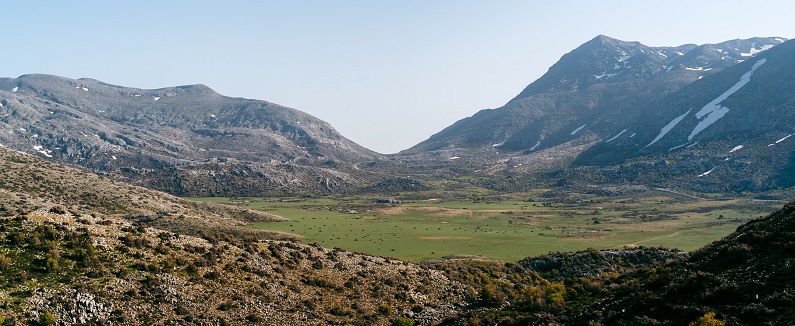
509, 230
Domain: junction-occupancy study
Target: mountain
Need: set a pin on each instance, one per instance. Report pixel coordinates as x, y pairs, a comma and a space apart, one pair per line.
590, 90
731, 128
176, 134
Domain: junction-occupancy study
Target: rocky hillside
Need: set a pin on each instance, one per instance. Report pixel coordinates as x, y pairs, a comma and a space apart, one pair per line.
601, 84
76, 248
727, 132
173, 135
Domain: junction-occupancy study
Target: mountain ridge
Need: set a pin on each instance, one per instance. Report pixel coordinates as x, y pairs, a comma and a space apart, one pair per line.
175, 132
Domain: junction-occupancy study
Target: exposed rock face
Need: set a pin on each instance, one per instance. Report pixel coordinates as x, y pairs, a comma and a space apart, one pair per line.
710, 118
143, 134
595, 88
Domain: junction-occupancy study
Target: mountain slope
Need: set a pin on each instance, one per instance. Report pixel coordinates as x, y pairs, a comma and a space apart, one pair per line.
745, 278
139, 133
731, 127
77, 248
591, 90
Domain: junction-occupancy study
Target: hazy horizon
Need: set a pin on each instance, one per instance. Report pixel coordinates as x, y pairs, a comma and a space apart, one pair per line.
386, 75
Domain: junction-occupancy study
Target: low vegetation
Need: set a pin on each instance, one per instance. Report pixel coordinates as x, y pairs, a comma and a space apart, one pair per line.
505, 227
143, 257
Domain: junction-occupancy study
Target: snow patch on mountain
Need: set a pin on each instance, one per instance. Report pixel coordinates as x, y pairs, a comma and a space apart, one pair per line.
706, 173
736, 148
754, 50
781, 140
713, 111
535, 146
14, 90
668, 128
577, 130
42, 150
698, 68
604, 75
677, 146
616, 136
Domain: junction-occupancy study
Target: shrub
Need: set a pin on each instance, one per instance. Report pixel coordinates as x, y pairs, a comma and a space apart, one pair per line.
52, 264
5, 262
384, 309
707, 320
403, 321
46, 319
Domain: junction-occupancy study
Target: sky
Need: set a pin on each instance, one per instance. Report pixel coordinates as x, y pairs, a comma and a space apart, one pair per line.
385, 74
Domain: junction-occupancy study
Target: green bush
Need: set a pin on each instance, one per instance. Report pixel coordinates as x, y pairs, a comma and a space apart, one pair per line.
46, 319
384, 309
403, 321
5, 262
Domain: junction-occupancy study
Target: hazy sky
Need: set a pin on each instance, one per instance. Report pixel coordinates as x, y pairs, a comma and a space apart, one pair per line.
386, 74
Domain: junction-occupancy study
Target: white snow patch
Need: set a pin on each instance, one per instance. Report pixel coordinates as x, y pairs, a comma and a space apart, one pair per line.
691, 145
726, 159
698, 69
617, 66
679, 146
604, 75
157, 98
736, 148
781, 140
42, 150
754, 50
633, 134
662, 54
699, 77
779, 40
84, 88
22, 129
455, 158
616, 136
669, 68
706, 173
668, 128
14, 90
212, 115
499, 144
113, 157
1, 105
535, 146
679, 53
578, 129
713, 111
137, 95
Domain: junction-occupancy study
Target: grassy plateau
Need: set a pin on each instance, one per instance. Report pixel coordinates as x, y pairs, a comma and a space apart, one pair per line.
508, 229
